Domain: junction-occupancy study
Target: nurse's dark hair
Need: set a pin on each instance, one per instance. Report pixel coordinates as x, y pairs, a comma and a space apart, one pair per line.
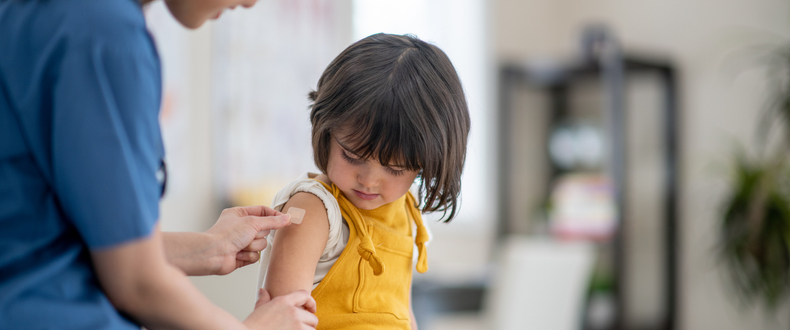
398, 100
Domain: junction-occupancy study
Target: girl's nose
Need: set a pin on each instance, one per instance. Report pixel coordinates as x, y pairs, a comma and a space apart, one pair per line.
368, 177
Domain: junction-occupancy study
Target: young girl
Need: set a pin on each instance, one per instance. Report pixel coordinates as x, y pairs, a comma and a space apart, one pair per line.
388, 110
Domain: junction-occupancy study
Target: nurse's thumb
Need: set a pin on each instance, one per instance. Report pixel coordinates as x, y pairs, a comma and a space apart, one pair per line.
274, 222
263, 297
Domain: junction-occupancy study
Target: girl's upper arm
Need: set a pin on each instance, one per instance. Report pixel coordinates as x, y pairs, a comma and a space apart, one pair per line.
297, 247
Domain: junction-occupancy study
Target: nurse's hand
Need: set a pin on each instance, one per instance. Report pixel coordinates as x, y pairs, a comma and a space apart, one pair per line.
240, 234
233, 242
291, 311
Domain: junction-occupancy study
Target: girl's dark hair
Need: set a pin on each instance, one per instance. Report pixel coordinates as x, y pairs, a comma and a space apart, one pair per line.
398, 100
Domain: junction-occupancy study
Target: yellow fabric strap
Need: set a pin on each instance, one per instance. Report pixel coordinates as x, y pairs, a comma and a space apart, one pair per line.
365, 247
422, 234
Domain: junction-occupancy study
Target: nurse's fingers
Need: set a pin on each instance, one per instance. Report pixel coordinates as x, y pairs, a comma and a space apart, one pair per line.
302, 299
257, 210
264, 224
263, 297
256, 245
261, 234
247, 257
308, 318
300, 303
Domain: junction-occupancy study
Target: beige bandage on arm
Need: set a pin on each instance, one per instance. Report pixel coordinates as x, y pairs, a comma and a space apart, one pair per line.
297, 214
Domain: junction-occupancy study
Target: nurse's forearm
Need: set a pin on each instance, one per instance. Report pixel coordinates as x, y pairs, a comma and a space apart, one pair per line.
234, 241
140, 282
192, 253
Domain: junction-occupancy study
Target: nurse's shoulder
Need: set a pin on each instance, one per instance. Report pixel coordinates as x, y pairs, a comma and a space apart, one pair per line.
113, 23
42, 27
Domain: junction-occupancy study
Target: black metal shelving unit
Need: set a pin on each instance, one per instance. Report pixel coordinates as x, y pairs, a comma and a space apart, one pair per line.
602, 59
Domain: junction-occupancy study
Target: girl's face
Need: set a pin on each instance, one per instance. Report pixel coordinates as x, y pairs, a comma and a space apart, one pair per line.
193, 13
366, 183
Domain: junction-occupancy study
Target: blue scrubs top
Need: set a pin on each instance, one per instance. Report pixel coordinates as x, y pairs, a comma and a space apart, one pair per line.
80, 148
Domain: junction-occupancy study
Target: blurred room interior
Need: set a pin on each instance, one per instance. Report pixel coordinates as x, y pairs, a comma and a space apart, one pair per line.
597, 169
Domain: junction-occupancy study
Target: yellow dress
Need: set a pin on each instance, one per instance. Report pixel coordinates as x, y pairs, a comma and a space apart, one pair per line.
368, 286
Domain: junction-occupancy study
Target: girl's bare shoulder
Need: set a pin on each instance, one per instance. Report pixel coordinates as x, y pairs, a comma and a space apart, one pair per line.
312, 204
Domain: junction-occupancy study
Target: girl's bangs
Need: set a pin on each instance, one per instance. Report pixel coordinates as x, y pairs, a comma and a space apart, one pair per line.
376, 131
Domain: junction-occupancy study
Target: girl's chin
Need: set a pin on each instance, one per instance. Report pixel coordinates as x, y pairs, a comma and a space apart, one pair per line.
365, 204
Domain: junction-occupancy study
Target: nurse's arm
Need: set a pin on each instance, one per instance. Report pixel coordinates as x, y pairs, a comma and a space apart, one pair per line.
233, 242
297, 248
141, 283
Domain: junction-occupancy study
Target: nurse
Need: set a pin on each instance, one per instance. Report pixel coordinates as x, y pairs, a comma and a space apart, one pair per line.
82, 171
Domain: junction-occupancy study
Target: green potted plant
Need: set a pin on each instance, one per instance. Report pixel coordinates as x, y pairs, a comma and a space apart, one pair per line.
756, 215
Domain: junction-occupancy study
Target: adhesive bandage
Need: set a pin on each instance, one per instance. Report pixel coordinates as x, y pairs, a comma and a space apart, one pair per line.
297, 214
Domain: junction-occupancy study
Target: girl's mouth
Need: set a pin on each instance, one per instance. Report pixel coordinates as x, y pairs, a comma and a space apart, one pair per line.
367, 197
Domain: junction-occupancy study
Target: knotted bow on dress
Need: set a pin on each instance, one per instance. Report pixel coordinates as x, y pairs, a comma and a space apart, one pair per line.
366, 249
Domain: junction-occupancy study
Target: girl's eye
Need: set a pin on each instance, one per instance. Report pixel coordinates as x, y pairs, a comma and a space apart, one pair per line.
350, 159
395, 172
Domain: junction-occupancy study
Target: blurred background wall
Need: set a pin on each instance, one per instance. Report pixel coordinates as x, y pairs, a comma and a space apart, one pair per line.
236, 126
721, 93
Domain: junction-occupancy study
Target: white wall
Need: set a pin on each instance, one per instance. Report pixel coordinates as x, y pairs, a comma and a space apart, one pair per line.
193, 135
190, 202
720, 99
